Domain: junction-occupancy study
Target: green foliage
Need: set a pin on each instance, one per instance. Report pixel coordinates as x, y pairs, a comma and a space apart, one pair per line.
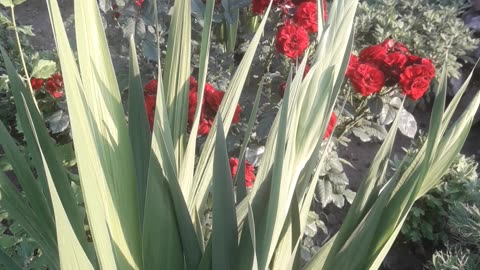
464, 239
454, 259
429, 215
427, 27
18, 245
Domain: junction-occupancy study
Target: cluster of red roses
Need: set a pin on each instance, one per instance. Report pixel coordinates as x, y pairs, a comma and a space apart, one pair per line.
292, 38
249, 171
387, 64
53, 85
210, 105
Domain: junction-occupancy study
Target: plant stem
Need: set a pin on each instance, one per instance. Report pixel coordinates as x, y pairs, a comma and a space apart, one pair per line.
27, 76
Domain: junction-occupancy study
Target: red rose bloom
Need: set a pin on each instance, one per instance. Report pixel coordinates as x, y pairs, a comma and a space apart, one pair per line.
324, 4
367, 79
209, 108
373, 54
249, 171
54, 84
36, 83
429, 67
291, 40
331, 125
306, 16
192, 82
139, 3
394, 64
151, 87
388, 44
413, 59
150, 101
213, 98
400, 47
352, 65
415, 81
204, 127
259, 6
236, 115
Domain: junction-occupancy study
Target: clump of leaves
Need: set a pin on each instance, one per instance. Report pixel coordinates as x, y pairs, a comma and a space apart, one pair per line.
464, 225
429, 215
16, 244
454, 258
427, 27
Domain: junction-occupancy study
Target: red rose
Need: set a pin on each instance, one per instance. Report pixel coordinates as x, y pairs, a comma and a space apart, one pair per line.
429, 67
415, 81
210, 105
204, 127
259, 6
213, 99
373, 54
414, 59
306, 16
367, 79
394, 64
36, 83
151, 87
236, 115
54, 84
193, 83
249, 171
139, 3
150, 101
352, 65
388, 44
291, 40
400, 47
192, 106
331, 125
58, 79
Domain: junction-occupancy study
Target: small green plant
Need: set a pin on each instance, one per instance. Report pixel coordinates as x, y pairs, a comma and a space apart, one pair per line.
428, 218
463, 248
454, 258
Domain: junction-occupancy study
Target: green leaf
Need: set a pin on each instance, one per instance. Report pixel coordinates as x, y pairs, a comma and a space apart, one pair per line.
72, 254
6, 3
14, 203
176, 75
162, 166
138, 128
31, 187
188, 164
224, 236
7, 263
100, 137
44, 69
